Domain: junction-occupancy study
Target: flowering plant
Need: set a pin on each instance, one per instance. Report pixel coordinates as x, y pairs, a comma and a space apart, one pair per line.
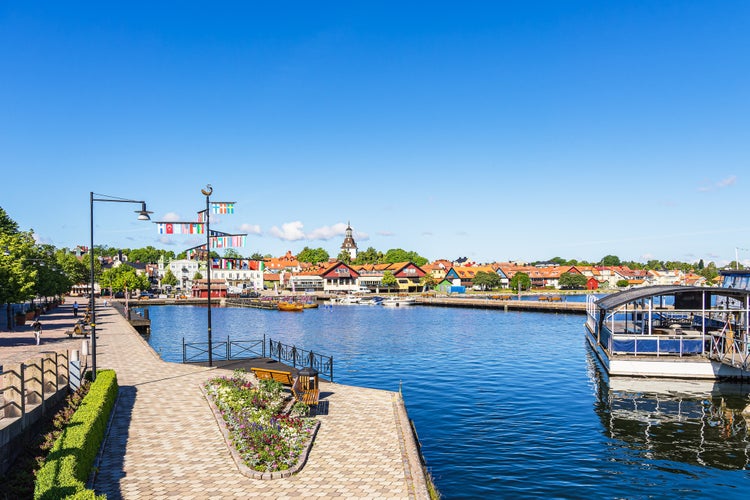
267, 439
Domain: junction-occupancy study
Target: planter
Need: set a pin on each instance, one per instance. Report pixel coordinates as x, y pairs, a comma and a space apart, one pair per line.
20, 319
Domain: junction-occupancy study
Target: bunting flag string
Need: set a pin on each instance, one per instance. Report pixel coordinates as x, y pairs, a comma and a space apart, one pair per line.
229, 241
180, 227
222, 207
201, 216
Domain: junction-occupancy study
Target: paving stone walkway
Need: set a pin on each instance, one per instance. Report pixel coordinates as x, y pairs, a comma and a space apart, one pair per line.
164, 441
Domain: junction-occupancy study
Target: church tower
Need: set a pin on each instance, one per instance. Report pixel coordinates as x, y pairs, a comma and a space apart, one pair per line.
349, 244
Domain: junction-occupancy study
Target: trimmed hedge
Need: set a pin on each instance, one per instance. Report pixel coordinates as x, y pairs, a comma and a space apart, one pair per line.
69, 463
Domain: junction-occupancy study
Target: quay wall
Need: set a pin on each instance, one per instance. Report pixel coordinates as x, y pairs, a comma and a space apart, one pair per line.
506, 305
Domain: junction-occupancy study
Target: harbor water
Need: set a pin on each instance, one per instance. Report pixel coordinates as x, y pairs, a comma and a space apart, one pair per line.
510, 404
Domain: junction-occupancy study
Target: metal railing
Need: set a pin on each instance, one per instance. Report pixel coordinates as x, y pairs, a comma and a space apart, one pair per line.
730, 349
300, 358
232, 350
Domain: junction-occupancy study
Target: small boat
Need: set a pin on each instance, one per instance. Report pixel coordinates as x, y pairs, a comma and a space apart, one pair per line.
375, 301
346, 300
398, 302
310, 305
291, 306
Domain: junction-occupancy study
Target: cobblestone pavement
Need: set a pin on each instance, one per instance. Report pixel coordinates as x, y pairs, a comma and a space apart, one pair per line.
164, 441
19, 345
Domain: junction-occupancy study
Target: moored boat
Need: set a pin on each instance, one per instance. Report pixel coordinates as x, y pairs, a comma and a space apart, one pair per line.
398, 302
672, 331
290, 306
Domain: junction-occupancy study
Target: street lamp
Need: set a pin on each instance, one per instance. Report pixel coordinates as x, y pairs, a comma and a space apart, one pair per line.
142, 215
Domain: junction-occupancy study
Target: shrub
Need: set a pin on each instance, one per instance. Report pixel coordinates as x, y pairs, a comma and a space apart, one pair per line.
69, 463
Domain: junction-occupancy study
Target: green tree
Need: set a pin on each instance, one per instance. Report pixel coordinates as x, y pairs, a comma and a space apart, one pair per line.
622, 283
197, 276
123, 278
231, 253
399, 255
7, 225
17, 274
389, 280
73, 267
344, 257
610, 260
313, 255
573, 281
486, 280
257, 256
169, 278
369, 256
520, 280
428, 282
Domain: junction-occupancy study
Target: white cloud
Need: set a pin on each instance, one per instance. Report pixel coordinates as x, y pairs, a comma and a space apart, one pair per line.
327, 232
727, 182
171, 217
710, 185
386, 233
290, 231
250, 228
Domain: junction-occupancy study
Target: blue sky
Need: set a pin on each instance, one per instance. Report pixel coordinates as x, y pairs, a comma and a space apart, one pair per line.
493, 130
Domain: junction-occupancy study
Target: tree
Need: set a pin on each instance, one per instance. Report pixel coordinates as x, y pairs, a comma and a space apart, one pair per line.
622, 283
520, 280
197, 276
369, 256
124, 278
17, 276
7, 225
344, 257
486, 280
169, 278
389, 280
257, 256
313, 255
428, 281
574, 281
231, 253
610, 260
399, 255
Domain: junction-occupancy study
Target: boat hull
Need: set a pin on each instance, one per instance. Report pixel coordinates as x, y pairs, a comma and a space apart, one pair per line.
692, 367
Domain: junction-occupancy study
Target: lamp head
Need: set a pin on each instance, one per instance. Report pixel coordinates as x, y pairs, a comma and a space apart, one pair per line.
143, 213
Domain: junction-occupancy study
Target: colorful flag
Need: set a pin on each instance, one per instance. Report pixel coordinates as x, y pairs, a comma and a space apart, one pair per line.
222, 207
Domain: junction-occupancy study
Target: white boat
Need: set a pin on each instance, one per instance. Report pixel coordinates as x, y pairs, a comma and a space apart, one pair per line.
672, 331
398, 302
346, 300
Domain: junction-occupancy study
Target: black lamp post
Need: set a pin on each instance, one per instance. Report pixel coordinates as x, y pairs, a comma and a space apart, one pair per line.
142, 215
207, 192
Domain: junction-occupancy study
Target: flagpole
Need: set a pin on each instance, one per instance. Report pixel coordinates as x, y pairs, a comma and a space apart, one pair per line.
208, 192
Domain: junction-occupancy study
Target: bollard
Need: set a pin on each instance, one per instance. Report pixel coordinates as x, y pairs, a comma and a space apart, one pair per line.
84, 348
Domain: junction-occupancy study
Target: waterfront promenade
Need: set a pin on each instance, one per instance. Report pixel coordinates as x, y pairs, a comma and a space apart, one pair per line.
164, 442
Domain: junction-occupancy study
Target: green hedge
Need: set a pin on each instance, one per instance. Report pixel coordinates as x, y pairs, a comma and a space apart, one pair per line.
69, 463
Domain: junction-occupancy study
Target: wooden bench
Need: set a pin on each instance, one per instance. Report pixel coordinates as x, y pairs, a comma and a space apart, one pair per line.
308, 396
280, 376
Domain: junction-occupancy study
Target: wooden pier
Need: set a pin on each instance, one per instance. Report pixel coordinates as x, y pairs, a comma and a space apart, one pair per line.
504, 304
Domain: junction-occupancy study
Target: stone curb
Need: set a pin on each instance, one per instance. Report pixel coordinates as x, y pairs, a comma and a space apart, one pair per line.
244, 469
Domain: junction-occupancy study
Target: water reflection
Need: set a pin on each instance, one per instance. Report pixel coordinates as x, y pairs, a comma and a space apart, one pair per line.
692, 422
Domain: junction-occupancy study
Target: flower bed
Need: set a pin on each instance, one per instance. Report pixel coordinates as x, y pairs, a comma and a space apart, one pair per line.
265, 438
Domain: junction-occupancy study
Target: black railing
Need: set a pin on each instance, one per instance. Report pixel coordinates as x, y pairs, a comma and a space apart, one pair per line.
230, 350
300, 358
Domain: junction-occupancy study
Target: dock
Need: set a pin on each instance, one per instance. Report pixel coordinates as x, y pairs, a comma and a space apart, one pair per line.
505, 304
364, 448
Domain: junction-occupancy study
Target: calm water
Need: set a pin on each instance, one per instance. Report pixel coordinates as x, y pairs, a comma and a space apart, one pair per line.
510, 404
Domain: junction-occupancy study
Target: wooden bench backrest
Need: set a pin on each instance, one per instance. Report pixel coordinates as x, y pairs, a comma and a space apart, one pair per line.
277, 375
